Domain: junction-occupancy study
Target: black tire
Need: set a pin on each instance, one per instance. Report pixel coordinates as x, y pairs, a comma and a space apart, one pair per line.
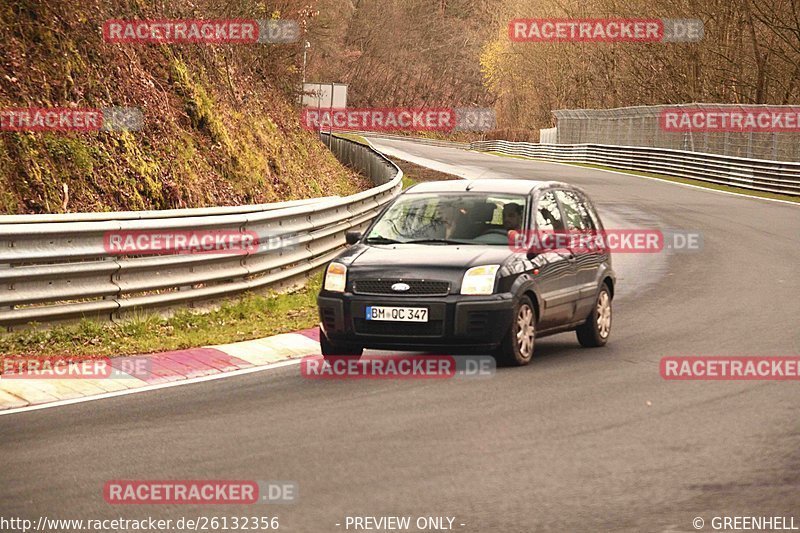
517, 346
330, 350
595, 331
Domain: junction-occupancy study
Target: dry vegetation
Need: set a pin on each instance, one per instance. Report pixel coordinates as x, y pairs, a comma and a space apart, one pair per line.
402, 52
457, 53
750, 55
221, 126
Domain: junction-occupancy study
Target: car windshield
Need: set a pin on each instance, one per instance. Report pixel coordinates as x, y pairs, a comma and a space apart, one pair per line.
450, 218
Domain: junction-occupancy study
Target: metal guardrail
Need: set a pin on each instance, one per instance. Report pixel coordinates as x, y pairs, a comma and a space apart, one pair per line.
56, 267
780, 177
146, 215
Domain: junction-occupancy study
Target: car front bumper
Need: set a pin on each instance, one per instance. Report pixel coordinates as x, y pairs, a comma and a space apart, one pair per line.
455, 322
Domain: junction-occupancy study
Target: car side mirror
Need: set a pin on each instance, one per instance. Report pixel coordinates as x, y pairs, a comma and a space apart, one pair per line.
352, 237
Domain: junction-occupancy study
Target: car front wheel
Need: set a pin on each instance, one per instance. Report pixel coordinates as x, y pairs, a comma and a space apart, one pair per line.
517, 346
595, 331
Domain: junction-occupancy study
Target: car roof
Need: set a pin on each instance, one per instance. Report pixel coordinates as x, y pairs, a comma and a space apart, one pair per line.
500, 185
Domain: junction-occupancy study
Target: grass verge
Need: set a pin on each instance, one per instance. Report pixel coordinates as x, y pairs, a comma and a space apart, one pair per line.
353, 137
687, 181
249, 317
413, 174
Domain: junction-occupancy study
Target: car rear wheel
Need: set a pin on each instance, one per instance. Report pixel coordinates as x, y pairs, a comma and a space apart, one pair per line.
517, 346
595, 331
330, 350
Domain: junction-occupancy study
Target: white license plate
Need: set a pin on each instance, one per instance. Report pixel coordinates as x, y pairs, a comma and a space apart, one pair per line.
397, 314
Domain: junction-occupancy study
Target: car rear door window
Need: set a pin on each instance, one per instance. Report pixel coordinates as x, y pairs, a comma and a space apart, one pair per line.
576, 214
548, 216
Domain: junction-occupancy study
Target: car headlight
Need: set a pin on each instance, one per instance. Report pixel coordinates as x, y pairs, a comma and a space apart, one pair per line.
335, 277
479, 280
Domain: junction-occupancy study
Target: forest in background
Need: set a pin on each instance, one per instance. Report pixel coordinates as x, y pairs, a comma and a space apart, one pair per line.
457, 52
222, 123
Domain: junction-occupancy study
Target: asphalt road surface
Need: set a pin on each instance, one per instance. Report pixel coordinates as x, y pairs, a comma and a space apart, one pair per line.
580, 440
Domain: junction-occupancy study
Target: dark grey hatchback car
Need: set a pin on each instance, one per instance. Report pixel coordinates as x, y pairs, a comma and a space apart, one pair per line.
438, 270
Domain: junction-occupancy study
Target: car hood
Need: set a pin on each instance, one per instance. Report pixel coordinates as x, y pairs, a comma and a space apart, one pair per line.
420, 261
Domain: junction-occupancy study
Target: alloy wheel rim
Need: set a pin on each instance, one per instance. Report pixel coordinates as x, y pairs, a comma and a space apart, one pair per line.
604, 314
525, 331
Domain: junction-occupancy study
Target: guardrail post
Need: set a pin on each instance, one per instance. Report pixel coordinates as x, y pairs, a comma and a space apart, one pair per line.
115, 315
190, 303
10, 286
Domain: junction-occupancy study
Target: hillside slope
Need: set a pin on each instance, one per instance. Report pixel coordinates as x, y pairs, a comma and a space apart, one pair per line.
220, 127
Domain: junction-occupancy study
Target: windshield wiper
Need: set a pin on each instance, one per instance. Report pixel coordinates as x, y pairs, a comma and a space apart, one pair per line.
381, 240
387, 240
435, 241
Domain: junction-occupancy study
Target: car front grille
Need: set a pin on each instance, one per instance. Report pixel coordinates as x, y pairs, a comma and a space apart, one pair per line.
417, 287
